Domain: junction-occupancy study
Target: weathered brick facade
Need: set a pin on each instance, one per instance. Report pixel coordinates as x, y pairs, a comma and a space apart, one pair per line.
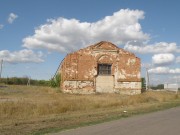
103, 68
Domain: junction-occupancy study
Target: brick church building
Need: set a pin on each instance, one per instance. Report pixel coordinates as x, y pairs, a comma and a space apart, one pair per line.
101, 68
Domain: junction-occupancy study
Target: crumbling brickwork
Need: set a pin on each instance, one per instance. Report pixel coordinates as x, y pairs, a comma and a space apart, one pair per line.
80, 70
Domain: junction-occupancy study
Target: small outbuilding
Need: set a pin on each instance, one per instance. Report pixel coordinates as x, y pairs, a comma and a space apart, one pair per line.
101, 68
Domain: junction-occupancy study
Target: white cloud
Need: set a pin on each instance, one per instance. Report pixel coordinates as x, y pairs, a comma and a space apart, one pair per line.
174, 71
159, 70
176, 78
21, 56
164, 70
12, 17
146, 65
161, 47
163, 59
178, 59
65, 35
1, 26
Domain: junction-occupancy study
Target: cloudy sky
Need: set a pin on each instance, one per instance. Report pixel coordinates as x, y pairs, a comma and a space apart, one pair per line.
36, 35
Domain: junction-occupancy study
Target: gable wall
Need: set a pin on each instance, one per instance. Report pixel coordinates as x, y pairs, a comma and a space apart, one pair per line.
79, 70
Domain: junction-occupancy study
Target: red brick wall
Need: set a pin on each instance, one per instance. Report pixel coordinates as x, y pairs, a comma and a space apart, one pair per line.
82, 65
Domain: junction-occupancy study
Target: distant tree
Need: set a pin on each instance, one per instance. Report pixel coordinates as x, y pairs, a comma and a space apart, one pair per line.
43, 83
9, 81
24, 81
160, 86
143, 83
55, 82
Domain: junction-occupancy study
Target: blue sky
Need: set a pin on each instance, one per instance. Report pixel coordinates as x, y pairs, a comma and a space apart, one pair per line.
36, 35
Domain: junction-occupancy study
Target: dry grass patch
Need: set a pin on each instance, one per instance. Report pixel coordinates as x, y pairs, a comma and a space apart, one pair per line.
29, 102
22, 104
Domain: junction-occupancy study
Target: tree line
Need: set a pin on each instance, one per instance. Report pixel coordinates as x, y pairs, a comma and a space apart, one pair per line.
23, 81
53, 82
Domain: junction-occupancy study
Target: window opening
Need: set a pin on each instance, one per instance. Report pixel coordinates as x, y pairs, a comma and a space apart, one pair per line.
104, 69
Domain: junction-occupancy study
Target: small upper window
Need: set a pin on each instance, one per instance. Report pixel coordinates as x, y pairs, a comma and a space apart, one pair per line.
104, 69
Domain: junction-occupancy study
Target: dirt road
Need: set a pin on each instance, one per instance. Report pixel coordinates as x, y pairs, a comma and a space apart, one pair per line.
159, 123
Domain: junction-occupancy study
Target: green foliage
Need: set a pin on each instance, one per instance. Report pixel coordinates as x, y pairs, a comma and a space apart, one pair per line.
23, 81
55, 82
143, 83
159, 86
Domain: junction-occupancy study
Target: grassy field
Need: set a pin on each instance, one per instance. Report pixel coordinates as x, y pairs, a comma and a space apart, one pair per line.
39, 110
